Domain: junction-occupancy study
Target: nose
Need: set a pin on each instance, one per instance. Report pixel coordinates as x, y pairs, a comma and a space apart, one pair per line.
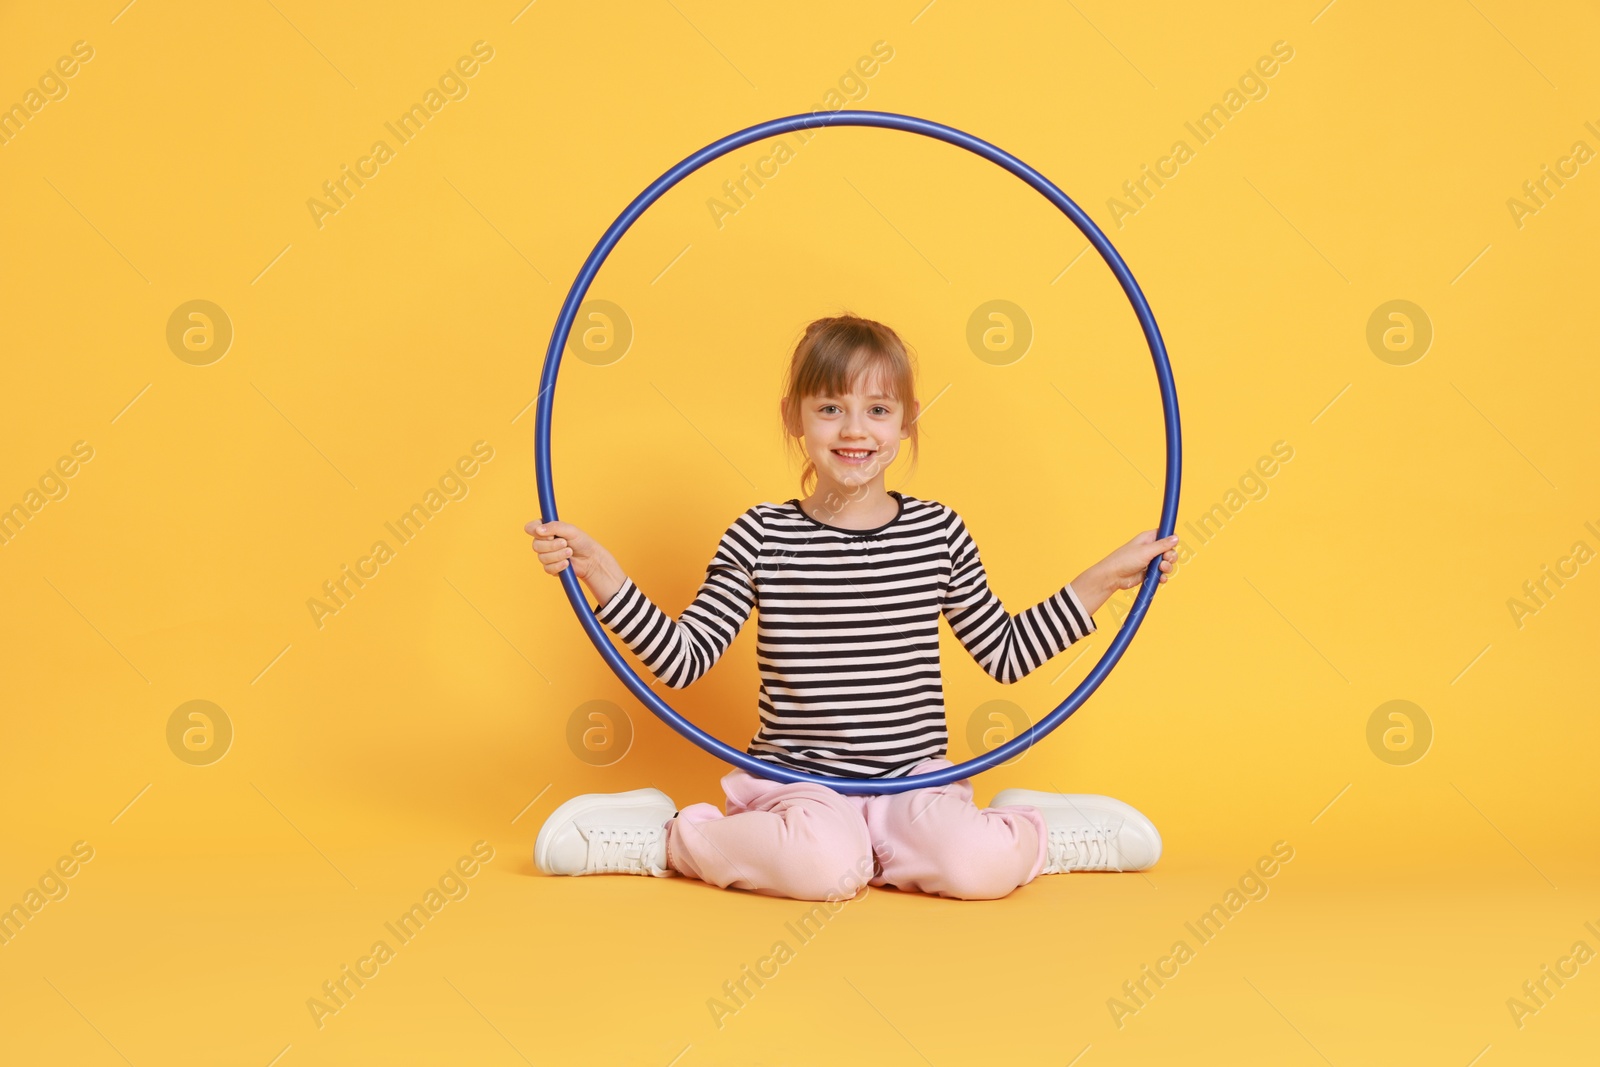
855, 427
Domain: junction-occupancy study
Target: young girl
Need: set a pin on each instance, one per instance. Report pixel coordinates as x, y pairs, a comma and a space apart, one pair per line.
850, 583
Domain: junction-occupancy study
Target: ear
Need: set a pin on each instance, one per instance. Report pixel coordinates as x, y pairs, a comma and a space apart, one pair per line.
916, 410
787, 416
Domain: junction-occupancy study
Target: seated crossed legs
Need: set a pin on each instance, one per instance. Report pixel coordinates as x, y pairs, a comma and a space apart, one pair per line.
807, 842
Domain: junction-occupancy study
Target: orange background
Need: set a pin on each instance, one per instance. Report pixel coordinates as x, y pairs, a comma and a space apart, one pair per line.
373, 347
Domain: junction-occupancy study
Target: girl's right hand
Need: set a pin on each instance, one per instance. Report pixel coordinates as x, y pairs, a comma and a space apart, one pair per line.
561, 545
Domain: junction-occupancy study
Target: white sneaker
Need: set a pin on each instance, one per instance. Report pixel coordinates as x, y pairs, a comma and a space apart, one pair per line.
607, 833
1089, 832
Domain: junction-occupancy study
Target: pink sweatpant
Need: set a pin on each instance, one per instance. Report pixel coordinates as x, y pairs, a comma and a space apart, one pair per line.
808, 842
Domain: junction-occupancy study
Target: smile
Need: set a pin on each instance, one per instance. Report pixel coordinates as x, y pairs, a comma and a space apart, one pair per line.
853, 455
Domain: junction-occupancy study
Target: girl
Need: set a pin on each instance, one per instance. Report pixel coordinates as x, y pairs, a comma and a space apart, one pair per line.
850, 583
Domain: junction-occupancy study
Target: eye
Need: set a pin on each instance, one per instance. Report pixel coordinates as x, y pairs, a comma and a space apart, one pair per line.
882, 408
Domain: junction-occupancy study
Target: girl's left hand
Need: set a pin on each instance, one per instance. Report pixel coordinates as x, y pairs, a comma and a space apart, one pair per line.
1125, 567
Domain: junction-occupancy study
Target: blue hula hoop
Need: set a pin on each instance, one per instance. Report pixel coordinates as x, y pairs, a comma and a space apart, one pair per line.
1169, 403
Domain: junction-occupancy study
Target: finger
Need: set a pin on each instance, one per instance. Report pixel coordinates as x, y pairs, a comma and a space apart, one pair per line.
558, 554
1156, 548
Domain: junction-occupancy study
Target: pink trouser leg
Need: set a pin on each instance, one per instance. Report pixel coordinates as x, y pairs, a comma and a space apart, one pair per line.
935, 840
791, 840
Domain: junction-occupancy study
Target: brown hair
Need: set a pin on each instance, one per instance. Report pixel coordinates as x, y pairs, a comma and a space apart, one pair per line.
833, 354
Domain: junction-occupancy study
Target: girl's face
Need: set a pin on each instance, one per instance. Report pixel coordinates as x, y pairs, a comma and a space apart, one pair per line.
852, 439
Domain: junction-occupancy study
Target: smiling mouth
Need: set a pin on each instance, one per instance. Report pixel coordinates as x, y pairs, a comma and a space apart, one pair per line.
854, 455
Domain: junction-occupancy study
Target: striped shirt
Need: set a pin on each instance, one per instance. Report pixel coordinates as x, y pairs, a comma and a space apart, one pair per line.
848, 633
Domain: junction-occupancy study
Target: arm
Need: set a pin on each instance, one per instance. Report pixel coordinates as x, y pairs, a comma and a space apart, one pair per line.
680, 651
1008, 647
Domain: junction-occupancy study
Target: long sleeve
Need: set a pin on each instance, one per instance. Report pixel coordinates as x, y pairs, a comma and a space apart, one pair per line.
679, 651
1008, 647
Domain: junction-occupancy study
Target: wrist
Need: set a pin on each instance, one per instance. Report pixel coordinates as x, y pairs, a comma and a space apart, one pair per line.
605, 581
1093, 588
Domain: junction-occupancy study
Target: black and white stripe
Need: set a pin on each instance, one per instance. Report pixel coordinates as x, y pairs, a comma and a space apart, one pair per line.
848, 631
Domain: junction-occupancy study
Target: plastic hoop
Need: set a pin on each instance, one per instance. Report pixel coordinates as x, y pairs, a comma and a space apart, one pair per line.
1169, 402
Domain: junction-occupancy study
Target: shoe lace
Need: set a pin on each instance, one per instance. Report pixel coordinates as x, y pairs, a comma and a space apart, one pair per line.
627, 849
1082, 848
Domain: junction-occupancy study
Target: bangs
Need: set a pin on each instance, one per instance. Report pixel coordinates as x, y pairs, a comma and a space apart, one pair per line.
844, 364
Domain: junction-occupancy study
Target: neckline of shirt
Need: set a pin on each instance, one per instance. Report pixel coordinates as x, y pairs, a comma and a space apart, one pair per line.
900, 510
